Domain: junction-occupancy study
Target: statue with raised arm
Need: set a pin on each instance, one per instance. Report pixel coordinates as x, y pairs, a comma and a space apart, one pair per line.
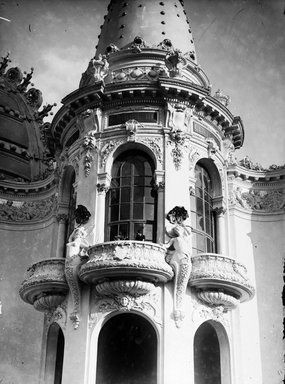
179, 249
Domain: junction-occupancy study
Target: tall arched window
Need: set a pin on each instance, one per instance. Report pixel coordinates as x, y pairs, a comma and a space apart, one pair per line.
131, 201
202, 218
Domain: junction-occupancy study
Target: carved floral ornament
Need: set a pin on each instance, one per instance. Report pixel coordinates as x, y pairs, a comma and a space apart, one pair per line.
258, 200
89, 146
27, 211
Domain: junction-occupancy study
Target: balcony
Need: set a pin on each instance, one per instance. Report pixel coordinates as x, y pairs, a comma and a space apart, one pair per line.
220, 281
45, 286
130, 267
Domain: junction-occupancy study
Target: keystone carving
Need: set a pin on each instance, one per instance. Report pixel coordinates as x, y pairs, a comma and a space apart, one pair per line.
179, 251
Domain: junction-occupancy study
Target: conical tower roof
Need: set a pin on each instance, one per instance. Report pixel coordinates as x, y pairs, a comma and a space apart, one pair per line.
153, 21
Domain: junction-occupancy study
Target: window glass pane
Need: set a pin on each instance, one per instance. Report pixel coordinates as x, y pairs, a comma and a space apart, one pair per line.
148, 195
139, 232
138, 211
201, 243
147, 171
148, 180
208, 226
126, 169
199, 208
138, 180
124, 211
125, 195
209, 246
138, 194
115, 182
138, 167
126, 181
124, 231
193, 219
114, 212
148, 232
113, 232
149, 212
199, 222
114, 196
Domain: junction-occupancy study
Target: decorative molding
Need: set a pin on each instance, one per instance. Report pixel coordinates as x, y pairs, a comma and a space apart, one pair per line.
194, 156
89, 145
202, 313
149, 304
102, 188
155, 144
96, 71
59, 316
180, 142
27, 211
175, 62
108, 148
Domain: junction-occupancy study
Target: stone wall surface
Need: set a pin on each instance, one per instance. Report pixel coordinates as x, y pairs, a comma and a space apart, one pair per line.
259, 244
21, 326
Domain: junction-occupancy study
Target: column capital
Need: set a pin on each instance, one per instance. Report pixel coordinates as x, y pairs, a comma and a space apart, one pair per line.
102, 188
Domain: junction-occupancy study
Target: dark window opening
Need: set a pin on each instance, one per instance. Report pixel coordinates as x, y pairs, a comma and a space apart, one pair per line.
54, 355
207, 364
127, 351
131, 200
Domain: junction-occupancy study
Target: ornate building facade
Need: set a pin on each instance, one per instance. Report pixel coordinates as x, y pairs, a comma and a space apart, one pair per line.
152, 254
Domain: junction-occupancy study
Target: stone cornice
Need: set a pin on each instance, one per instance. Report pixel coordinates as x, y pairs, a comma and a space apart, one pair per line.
32, 189
237, 171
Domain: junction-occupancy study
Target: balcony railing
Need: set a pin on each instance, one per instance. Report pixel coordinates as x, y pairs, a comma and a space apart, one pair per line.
137, 261
45, 286
220, 280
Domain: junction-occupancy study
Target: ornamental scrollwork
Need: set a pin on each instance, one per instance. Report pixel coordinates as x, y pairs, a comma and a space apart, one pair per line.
108, 148
155, 144
28, 210
180, 143
179, 251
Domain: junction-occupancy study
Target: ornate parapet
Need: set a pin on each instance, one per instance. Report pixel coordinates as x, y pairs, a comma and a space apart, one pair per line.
137, 262
45, 286
220, 281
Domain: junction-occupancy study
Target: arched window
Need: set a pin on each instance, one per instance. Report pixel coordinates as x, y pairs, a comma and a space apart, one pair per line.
131, 200
127, 351
211, 355
54, 355
202, 218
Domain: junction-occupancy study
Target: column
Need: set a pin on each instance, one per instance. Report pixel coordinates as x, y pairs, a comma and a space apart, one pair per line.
221, 230
102, 189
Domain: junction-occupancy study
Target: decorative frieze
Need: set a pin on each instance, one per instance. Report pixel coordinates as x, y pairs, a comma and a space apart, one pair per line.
258, 200
27, 211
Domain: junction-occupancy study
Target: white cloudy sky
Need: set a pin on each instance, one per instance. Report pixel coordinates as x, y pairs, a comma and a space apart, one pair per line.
240, 44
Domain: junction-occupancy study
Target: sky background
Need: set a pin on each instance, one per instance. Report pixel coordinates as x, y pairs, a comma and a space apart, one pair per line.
240, 44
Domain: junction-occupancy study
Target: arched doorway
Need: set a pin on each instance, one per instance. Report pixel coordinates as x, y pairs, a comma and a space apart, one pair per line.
127, 351
211, 355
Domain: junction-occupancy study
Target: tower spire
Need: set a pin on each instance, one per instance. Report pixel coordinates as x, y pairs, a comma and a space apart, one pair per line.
153, 21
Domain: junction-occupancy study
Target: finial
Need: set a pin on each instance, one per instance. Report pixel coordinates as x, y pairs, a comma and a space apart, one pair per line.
44, 112
26, 81
4, 63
